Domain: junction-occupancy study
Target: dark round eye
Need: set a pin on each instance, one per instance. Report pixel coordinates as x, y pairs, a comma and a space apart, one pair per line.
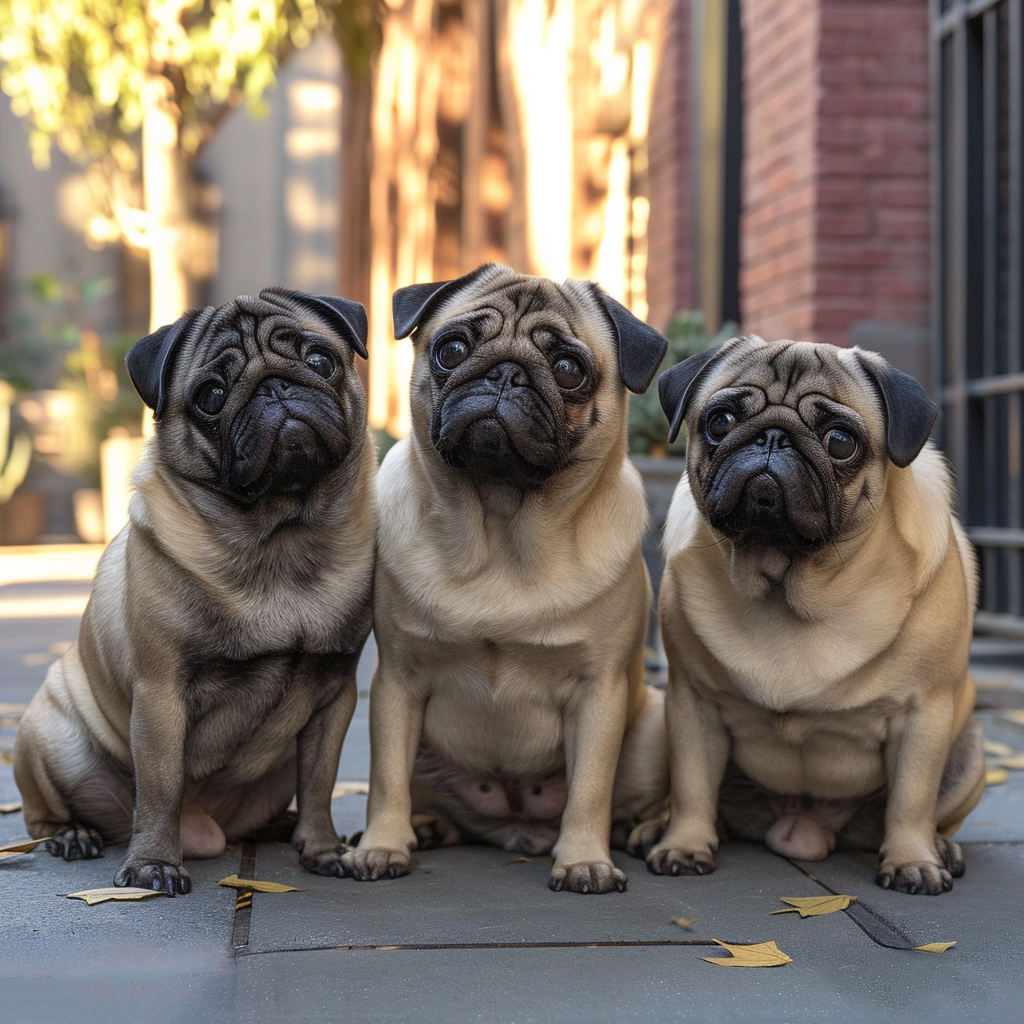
720, 422
210, 397
321, 364
450, 353
840, 445
569, 375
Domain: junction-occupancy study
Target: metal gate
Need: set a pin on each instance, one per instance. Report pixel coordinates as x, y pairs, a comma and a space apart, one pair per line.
979, 286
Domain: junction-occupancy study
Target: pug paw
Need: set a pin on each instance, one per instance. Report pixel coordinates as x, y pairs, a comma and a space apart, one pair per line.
951, 854
645, 836
670, 860
328, 862
158, 875
373, 863
76, 842
915, 879
587, 878
432, 832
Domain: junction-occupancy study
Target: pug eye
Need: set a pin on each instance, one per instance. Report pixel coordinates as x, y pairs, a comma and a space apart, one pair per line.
840, 445
719, 423
321, 364
451, 353
569, 375
210, 398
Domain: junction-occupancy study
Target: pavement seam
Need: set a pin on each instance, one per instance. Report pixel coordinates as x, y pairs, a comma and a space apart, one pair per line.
243, 901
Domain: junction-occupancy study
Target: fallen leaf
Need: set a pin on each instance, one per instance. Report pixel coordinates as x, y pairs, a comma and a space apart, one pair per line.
994, 749
814, 906
684, 922
234, 882
6, 757
759, 954
350, 789
1015, 762
10, 808
996, 776
12, 848
935, 947
116, 892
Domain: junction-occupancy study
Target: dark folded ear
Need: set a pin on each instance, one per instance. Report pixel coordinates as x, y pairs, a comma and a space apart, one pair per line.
150, 359
676, 386
909, 413
409, 305
345, 317
640, 347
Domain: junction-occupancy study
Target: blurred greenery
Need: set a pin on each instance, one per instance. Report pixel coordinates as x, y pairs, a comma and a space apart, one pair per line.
648, 425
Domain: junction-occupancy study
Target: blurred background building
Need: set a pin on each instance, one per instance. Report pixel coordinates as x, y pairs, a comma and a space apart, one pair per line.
841, 171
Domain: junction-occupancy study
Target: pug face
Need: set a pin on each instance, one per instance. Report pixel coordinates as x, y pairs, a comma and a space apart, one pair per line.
259, 398
789, 442
517, 378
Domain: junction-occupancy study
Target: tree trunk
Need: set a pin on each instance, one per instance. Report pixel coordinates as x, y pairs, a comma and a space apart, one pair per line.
165, 189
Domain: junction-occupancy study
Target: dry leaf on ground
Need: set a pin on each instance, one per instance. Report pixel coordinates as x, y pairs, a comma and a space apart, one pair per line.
1015, 762
996, 776
759, 954
935, 947
234, 882
10, 808
12, 848
349, 789
92, 896
684, 922
813, 906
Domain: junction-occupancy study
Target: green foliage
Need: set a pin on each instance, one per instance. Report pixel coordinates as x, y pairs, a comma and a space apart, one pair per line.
76, 69
648, 425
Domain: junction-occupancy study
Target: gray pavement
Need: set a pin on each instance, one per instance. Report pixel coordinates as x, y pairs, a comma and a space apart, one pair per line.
474, 934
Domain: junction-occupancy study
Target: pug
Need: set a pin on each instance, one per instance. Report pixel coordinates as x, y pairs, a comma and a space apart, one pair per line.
508, 704
817, 609
214, 674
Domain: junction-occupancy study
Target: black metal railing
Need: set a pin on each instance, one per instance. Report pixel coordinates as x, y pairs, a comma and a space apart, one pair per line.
979, 284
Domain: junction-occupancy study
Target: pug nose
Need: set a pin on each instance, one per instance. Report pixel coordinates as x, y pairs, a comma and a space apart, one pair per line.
773, 439
508, 373
273, 387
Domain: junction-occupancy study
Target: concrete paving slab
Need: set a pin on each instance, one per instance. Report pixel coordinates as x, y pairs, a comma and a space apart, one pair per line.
465, 896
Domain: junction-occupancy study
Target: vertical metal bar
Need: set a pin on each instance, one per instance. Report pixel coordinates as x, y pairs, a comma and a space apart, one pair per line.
1015, 292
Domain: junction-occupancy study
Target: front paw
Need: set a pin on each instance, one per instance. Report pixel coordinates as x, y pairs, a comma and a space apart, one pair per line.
674, 860
76, 842
373, 863
158, 875
915, 879
327, 862
587, 878
646, 835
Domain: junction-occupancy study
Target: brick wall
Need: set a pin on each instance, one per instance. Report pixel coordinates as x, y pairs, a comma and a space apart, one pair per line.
669, 259
835, 224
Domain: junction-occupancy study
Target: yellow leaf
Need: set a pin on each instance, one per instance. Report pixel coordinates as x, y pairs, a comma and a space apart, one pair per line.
996, 776
759, 954
10, 808
234, 882
814, 906
12, 848
6, 757
116, 892
684, 922
936, 947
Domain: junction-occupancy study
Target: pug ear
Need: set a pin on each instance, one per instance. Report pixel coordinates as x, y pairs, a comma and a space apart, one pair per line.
150, 359
676, 387
640, 347
909, 413
344, 316
409, 305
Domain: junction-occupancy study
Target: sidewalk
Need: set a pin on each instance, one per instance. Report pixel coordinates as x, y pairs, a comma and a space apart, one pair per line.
474, 934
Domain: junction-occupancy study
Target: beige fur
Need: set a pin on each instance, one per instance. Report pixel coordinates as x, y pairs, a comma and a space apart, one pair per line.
829, 688
510, 623
215, 666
